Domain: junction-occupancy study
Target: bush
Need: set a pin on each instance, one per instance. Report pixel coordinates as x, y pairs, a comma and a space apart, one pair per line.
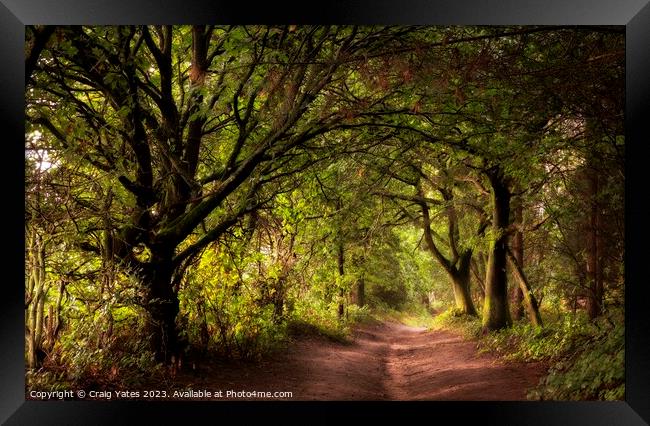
587, 358
468, 326
592, 368
317, 318
87, 356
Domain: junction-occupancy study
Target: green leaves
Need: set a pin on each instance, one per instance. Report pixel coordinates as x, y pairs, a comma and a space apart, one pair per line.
587, 359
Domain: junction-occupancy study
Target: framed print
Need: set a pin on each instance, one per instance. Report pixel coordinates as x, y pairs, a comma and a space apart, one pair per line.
207, 181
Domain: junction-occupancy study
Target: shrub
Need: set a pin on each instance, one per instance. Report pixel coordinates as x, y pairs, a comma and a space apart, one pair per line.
587, 358
593, 368
90, 357
468, 326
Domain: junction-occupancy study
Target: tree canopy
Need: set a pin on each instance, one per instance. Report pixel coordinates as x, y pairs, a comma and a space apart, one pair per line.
205, 187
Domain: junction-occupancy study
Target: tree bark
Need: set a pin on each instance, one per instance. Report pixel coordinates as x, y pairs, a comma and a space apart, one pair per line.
518, 252
163, 305
594, 264
496, 314
361, 292
35, 45
36, 293
461, 283
278, 300
340, 260
459, 274
529, 301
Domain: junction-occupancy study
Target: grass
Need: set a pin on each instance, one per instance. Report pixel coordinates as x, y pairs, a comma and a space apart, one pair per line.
415, 315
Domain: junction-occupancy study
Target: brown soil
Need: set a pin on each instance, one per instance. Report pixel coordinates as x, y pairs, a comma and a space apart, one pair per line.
384, 361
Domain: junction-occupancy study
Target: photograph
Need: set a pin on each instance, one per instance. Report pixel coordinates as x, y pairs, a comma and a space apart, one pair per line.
325, 212
285, 213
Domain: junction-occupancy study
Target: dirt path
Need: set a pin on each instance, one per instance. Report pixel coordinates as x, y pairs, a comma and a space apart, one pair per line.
385, 361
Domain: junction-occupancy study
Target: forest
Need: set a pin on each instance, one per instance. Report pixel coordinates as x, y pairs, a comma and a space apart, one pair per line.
202, 199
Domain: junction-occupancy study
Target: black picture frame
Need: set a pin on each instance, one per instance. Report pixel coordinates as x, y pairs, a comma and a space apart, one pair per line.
634, 14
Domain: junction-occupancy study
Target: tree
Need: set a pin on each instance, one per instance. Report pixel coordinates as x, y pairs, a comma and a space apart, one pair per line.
192, 122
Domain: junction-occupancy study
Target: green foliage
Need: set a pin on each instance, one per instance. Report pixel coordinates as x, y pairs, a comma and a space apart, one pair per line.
470, 327
228, 308
122, 362
592, 368
314, 317
414, 315
317, 325
587, 359
47, 380
524, 342
359, 314
89, 356
398, 272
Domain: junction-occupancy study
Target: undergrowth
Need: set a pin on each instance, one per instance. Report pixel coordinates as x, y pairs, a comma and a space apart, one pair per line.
586, 359
87, 358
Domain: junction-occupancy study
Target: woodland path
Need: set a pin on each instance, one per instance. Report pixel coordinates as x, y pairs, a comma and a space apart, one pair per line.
384, 361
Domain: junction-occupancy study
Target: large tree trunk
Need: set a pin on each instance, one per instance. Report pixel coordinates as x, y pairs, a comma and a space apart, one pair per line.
163, 306
278, 299
496, 314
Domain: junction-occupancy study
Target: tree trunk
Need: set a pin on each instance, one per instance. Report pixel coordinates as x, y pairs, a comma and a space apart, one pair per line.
478, 269
496, 314
163, 306
459, 274
594, 266
518, 252
340, 260
461, 284
278, 300
532, 307
361, 292
36, 305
